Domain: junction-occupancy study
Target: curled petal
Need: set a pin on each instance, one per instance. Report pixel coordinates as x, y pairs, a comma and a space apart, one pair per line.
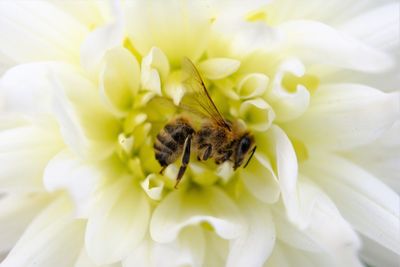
252, 85
155, 68
257, 114
174, 87
153, 186
218, 68
180, 209
288, 104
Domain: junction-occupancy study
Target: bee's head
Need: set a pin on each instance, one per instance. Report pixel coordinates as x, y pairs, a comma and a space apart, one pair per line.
245, 148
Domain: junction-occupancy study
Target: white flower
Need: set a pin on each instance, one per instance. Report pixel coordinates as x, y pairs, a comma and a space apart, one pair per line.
316, 82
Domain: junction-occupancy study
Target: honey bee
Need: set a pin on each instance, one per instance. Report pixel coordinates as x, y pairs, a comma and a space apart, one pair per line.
217, 138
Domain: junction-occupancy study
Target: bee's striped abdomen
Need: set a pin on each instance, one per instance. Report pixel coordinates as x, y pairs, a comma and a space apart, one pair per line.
170, 141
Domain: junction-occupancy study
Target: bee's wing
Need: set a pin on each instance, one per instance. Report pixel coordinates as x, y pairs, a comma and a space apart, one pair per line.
203, 103
170, 109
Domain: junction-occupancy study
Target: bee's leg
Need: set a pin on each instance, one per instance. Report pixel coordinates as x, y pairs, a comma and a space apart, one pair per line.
224, 157
207, 152
185, 159
162, 170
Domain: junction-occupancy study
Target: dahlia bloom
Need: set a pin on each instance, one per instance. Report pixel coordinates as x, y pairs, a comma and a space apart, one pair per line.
316, 82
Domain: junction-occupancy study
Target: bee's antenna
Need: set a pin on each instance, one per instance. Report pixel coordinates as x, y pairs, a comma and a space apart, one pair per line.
251, 155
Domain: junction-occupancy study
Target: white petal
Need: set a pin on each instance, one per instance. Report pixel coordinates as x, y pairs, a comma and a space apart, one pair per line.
260, 179
381, 157
370, 206
118, 223
284, 161
327, 226
9, 121
187, 251
119, 80
332, 12
85, 261
24, 89
315, 42
255, 245
377, 26
141, 256
67, 172
322, 228
287, 256
5, 63
34, 31
16, 212
178, 29
155, 69
291, 234
343, 116
257, 114
376, 255
53, 239
180, 209
243, 38
278, 257
218, 68
236, 9
287, 104
86, 125
102, 39
24, 153
216, 250
88, 13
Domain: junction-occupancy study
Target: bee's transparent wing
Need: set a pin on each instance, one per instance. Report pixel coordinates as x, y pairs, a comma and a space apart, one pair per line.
199, 99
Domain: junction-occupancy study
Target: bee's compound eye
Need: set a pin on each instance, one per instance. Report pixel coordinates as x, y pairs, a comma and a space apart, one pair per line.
244, 145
